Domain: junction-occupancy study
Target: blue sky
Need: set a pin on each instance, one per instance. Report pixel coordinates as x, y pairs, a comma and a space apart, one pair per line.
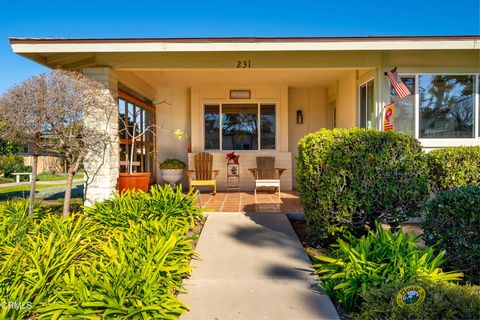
137, 18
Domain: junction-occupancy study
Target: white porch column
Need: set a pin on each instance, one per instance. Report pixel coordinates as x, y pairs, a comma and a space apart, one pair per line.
102, 164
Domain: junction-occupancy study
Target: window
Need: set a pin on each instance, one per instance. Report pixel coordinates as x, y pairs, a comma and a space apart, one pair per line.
444, 104
405, 108
367, 105
240, 126
136, 115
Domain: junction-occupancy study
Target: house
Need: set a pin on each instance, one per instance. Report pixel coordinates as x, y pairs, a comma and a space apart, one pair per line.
259, 96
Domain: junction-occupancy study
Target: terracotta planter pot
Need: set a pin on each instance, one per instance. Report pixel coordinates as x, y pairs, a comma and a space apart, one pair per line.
133, 181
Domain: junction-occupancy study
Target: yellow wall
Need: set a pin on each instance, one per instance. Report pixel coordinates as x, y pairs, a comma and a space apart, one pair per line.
313, 103
347, 101
172, 112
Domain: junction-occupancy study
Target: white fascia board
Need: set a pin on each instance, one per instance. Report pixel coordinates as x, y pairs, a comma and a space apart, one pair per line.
257, 46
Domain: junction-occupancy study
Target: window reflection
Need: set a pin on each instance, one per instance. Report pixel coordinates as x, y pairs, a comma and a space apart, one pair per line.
239, 127
405, 108
267, 126
212, 127
446, 106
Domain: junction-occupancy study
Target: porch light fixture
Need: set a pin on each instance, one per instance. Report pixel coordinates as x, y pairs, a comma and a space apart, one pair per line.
299, 117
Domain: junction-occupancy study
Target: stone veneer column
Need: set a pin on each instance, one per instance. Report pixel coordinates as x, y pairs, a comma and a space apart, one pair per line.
102, 164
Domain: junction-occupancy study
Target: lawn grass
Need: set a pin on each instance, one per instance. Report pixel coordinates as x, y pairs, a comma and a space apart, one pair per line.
56, 176
24, 187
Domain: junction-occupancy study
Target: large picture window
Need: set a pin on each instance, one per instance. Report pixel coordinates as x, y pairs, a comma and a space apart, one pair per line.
137, 115
442, 106
240, 126
446, 106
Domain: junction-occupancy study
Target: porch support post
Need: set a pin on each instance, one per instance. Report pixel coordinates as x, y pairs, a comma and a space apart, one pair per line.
102, 164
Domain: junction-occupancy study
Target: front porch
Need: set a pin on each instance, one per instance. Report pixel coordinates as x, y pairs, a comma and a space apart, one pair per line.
247, 202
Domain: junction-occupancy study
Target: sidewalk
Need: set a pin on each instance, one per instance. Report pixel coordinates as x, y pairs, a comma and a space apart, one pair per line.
253, 267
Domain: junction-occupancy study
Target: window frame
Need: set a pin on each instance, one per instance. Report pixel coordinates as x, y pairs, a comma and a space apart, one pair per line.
142, 143
443, 142
359, 88
220, 105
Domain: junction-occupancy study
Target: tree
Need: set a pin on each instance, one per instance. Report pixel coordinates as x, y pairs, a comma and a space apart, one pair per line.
58, 119
22, 118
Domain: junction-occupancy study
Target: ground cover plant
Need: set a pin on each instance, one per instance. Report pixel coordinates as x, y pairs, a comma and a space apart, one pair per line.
451, 223
95, 265
349, 179
453, 167
382, 256
443, 301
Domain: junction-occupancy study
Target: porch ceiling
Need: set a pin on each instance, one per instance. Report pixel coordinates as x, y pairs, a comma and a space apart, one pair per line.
288, 77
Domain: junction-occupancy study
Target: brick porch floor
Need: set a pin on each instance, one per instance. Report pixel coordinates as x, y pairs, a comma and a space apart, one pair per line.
286, 202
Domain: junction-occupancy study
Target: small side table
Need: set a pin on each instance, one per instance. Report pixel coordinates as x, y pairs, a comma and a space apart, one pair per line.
233, 176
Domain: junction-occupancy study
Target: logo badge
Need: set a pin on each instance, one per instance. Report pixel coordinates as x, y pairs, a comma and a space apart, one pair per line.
411, 296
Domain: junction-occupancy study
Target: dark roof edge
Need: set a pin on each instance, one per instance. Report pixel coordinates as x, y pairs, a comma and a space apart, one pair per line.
15, 40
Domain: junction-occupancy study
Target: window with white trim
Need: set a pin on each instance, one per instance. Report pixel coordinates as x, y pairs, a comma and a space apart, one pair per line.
240, 126
446, 106
367, 104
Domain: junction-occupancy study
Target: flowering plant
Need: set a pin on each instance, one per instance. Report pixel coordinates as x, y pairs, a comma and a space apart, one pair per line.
232, 157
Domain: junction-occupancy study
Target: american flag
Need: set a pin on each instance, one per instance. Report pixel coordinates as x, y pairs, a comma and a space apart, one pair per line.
397, 84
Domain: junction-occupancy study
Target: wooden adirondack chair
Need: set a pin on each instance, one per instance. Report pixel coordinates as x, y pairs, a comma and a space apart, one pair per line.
265, 174
204, 175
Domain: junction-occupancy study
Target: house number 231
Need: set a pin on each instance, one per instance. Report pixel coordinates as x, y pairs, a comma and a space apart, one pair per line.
243, 64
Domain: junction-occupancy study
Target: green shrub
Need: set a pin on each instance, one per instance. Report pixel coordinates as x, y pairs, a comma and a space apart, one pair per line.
12, 163
100, 265
8, 148
173, 164
442, 301
138, 206
381, 257
348, 179
453, 167
452, 223
14, 221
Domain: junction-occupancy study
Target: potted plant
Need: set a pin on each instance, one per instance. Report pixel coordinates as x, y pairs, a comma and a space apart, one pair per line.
172, 170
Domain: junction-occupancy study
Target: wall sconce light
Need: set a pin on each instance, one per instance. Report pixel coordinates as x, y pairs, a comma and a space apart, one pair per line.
299, 117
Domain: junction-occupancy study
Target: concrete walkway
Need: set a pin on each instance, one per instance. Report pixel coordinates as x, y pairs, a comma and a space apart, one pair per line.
253, 267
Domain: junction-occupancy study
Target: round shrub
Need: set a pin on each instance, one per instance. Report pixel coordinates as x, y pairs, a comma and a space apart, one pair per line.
348, 179
12, 163
442, 301
452, 220
453, 167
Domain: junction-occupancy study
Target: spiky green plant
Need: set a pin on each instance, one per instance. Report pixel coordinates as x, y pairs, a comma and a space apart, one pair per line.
380, 257
125, 258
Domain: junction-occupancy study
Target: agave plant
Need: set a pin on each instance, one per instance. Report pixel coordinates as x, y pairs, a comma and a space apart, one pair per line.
380, 257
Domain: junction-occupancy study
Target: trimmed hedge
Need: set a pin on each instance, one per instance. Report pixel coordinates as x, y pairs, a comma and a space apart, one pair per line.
453, 167
442, 301
452, 221
348, 179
